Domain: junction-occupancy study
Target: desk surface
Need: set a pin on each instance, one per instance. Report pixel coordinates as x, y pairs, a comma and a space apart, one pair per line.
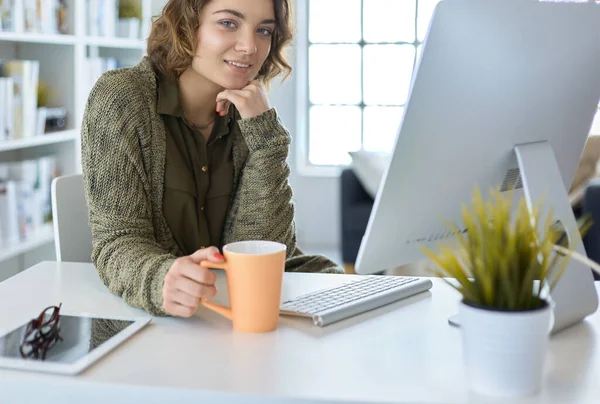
404, 352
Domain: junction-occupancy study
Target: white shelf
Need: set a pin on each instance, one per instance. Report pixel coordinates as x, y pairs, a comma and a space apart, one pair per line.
58, 137
41, 237
28, 37
108, 42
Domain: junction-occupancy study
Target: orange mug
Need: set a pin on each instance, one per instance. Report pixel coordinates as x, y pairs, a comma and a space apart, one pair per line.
254, 271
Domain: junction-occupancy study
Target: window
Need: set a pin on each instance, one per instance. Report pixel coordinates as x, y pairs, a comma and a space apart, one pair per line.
355, 64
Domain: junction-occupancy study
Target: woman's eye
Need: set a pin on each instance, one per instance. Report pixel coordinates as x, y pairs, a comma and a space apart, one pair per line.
228, 24
265, 31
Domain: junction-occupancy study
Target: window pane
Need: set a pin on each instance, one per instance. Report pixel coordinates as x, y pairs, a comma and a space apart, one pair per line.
334, 131
387, 74
334, 74
424, 12
334, 21
389, 20
381, 126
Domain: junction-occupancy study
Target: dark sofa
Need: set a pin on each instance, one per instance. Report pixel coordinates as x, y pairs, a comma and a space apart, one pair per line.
356, 209
591, 206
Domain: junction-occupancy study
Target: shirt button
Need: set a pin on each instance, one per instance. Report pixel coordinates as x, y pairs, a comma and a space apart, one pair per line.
205, 168
202, 208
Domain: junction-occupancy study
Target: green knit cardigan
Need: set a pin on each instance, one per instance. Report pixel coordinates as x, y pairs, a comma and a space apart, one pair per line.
123, 143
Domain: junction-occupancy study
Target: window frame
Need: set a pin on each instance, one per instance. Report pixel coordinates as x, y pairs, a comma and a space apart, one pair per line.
303, 104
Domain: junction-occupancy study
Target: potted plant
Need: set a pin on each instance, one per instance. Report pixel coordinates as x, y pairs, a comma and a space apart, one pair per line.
130, 17
504, 267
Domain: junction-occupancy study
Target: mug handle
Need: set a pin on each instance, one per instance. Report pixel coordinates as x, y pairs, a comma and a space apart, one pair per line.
217, 308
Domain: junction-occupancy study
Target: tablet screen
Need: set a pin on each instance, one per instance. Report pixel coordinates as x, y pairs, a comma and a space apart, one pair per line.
80, 336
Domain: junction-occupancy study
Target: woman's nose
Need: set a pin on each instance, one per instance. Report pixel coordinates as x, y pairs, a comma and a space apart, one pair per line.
246, 44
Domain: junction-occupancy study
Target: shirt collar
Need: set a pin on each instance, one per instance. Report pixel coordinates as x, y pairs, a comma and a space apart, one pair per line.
168, 98
169, 104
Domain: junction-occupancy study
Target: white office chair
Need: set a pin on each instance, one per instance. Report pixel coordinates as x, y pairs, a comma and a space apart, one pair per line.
72, 233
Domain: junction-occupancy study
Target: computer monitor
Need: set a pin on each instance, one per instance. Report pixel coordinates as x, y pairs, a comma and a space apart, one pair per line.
504, 95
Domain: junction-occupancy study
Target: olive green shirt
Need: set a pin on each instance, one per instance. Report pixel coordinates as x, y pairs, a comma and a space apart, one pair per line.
198, 174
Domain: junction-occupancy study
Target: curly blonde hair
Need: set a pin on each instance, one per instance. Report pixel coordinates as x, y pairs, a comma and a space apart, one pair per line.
173, 39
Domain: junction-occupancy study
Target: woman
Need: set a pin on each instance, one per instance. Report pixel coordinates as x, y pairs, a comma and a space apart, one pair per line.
182, 154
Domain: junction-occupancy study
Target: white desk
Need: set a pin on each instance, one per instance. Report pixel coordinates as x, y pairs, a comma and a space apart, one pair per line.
405, 352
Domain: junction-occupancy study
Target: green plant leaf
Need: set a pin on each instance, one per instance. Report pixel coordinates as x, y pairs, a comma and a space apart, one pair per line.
505, 249
449, 266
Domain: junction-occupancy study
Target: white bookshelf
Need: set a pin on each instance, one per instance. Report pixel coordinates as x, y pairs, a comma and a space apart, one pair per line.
27, 37
47, 139
34, 38
62, 66
42, 237
119, 43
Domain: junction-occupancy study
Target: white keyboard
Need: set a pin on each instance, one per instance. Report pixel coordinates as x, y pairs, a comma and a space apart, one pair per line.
334, 304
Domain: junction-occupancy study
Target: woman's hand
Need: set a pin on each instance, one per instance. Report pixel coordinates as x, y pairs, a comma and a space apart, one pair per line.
187, 282
250, 101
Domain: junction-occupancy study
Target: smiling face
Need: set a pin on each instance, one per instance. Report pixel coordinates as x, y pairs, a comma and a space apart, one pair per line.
234, 40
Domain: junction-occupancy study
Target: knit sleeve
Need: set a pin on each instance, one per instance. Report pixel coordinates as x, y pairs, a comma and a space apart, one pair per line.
263, 207
129, 260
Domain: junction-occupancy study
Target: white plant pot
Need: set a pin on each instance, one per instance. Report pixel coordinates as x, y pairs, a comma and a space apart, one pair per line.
504, 351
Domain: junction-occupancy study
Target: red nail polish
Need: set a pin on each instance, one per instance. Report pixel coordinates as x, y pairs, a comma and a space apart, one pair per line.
218, 256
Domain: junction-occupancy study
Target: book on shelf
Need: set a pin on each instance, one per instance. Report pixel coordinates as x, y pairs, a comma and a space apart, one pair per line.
102, 17
23, 96
25, 199
6, 109
9, 224
3, 112
36, 16
12, 14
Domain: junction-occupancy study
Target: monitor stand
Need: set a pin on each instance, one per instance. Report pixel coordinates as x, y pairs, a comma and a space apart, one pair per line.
574, 296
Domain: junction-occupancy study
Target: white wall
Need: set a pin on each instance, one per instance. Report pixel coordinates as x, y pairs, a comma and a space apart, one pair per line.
317, 199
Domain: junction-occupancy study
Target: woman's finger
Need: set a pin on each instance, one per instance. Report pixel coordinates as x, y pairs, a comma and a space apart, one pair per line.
251, 101
254, 85
176, 309
183, 298
236, 97
195, 273
195, 289
223, 107
206, 254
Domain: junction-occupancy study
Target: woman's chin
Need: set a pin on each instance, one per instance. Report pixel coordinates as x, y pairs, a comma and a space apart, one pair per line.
235, 85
